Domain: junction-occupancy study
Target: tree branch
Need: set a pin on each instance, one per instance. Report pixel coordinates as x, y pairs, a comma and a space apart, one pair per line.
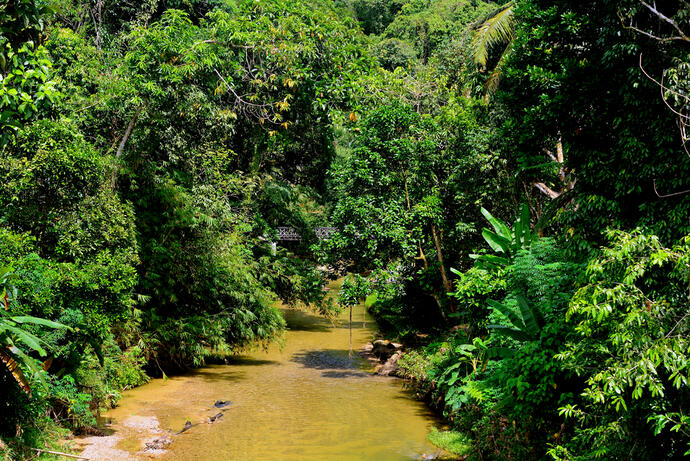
666, 19
128, 131
67, 455
668, 195
547, 190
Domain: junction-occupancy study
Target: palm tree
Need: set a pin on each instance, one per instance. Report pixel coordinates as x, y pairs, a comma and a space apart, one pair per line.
497, 29
13, 332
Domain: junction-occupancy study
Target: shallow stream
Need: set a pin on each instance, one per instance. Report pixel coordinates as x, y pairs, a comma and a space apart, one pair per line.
310, 399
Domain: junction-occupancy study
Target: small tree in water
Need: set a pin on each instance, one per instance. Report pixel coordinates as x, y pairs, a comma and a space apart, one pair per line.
354, 290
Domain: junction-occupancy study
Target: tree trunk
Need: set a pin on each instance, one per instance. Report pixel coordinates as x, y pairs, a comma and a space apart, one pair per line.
444, 276
123, 143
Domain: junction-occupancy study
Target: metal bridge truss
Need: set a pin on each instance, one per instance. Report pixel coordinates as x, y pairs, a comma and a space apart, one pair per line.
290, 234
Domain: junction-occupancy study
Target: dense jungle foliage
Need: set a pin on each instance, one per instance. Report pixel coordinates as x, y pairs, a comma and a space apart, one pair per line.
509, 181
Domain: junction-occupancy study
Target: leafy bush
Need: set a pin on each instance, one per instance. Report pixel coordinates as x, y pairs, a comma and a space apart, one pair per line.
629, 343
70, 404
27, 88
47, 170
473, 289
393, 53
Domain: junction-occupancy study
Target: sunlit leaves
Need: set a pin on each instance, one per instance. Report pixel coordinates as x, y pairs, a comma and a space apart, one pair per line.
631, 340
26, 88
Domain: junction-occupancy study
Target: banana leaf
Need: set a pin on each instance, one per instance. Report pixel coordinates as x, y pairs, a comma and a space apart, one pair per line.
496, 242
499, 226
510, 332
505, 310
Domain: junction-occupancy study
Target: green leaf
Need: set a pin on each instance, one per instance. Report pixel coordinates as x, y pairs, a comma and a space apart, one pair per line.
506, 311
496, 242
499, 226
500, 352
531, 318
27, 338
492, 259
498, 28
510, 332
39, 321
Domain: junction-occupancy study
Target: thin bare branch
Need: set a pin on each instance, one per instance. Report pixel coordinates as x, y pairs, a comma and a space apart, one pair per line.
672, 38
666, 19
58, 453
683, 118
128, 131
674, 194
682, 36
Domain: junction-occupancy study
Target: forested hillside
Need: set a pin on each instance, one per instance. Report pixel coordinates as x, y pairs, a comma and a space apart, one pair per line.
509, 184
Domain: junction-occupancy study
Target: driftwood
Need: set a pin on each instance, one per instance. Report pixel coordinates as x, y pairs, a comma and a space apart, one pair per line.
67, 455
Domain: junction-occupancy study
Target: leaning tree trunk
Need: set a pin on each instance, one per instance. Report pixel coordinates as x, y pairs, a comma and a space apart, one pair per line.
123, 143
447, 285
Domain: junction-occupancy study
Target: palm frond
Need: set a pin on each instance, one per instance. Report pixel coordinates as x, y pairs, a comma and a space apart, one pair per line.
498, 28
494, 78
15, 370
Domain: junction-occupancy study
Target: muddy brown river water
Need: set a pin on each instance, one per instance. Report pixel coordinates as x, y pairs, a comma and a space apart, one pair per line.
307, 400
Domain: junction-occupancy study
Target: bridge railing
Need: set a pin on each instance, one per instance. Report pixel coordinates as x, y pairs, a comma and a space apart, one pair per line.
291, 234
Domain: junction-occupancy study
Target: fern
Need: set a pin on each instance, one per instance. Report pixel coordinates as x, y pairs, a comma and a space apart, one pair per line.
476, 390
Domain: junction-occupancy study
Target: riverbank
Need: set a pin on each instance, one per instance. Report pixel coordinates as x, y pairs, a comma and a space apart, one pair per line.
420, 357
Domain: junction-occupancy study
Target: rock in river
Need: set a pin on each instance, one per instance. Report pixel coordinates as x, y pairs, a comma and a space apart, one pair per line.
390, 368
384, 349
214, 418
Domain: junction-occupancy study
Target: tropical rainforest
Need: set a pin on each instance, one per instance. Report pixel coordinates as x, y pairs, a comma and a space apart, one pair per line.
509, 185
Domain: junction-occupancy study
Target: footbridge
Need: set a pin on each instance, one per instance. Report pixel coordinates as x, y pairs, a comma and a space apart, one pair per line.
287, 234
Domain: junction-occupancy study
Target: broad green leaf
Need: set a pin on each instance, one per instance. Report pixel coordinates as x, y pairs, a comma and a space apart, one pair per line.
500, 352
506, 311
496, 242
38, 321
510, 332
529, 317
499, 226
28, 339
492, 259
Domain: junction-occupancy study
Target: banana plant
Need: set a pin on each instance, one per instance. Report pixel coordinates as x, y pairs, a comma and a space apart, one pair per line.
9, 290
525, 326
13, 333
504, 240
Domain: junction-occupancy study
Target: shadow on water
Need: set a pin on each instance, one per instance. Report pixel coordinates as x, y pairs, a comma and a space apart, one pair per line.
218, 374
335, 363
229, 371
345, 374
422, 410
244, 360
304, 321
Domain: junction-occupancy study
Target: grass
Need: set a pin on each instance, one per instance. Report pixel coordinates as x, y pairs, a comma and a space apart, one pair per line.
451, 441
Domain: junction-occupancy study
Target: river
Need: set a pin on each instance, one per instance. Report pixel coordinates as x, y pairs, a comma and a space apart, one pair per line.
306, 399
